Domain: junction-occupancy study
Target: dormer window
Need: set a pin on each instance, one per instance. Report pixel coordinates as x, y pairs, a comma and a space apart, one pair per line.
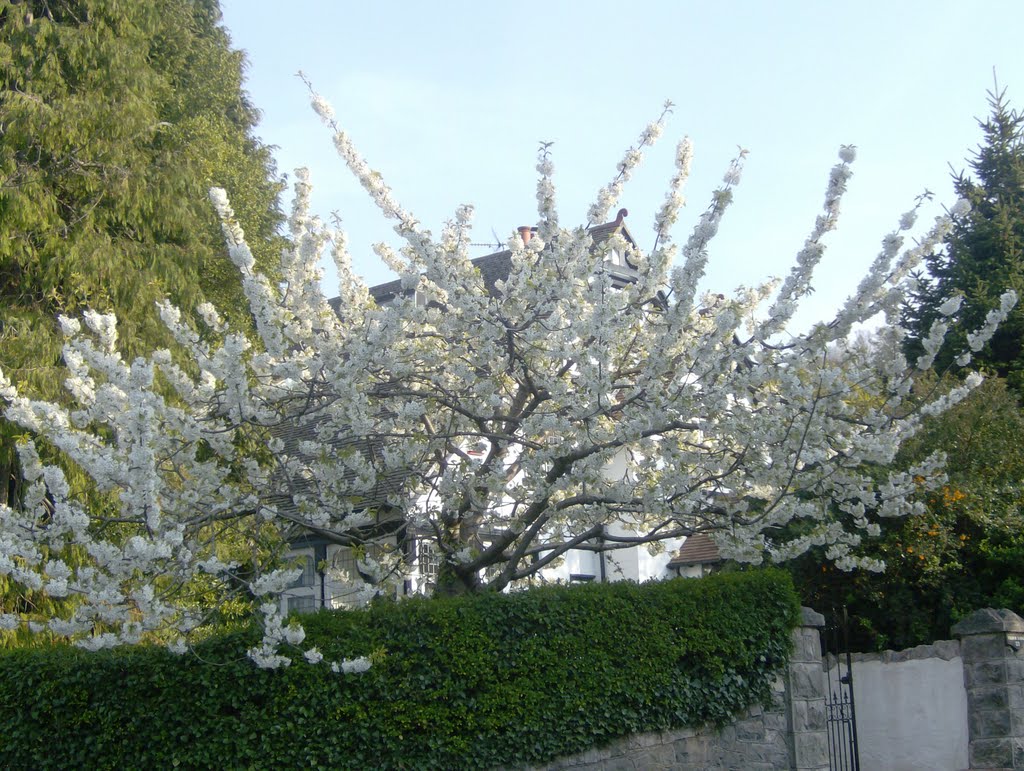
614, 257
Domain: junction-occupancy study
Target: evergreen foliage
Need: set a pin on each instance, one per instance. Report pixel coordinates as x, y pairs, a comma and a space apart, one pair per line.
117, 117
983, 254
962, 554
479, 681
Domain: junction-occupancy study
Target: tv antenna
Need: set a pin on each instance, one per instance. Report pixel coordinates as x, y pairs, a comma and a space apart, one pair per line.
497, 244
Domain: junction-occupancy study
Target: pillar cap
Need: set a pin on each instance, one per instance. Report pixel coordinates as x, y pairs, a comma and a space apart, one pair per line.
988, 621
810, 617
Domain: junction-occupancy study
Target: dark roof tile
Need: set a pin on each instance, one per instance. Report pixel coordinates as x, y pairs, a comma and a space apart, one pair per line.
493, 267
698, 549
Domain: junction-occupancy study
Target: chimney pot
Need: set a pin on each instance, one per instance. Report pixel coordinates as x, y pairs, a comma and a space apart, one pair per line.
525, 232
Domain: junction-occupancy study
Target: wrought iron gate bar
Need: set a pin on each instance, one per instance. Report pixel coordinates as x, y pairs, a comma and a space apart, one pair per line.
840, 710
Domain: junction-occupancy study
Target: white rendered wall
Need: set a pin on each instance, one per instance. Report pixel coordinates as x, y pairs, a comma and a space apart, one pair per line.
911, 713
691, 571
655, 566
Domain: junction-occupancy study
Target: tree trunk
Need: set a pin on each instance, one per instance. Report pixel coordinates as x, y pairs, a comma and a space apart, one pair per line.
451, 582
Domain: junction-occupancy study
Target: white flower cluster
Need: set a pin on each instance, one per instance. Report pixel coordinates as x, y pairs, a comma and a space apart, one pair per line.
932, 343
609, 194
798, 283
976, 340
352, 666
513, 423
674, 200
685, 278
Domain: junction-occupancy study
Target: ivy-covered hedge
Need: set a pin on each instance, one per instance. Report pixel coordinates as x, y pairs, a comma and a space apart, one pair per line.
473, 682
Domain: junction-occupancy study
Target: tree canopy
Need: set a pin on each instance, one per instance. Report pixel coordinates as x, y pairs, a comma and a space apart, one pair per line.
116, 119
508, 422
964, 552
983, 254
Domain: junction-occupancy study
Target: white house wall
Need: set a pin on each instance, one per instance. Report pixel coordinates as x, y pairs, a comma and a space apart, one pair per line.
911, 713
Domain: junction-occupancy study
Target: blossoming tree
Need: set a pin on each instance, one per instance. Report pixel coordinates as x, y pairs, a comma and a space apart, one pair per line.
511, 423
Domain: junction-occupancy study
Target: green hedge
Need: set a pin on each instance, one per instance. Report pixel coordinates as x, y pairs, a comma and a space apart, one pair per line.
473, 682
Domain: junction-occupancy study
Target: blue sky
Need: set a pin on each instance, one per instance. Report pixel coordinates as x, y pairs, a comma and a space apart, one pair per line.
448, 100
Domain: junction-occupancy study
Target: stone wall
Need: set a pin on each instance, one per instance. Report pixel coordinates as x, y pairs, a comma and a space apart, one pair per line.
805, 697
991, 643
789, 734
951, 705
757, 742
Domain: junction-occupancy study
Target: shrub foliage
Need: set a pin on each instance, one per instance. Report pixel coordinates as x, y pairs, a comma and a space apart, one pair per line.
463, 682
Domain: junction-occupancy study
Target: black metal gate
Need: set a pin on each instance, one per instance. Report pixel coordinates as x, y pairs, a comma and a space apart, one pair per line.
839, 704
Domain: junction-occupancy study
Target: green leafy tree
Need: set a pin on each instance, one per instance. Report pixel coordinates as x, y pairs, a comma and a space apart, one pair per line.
984, 253
115, 119
963, 553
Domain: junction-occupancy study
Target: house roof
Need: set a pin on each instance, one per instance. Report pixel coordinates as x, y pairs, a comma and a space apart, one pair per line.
493, 267
497, 266
375, 497
697, 549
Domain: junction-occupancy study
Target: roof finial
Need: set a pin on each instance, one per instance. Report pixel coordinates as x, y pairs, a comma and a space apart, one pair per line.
623, 213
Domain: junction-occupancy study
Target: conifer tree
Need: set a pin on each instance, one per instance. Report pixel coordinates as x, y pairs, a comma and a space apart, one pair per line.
115, 120
984, 253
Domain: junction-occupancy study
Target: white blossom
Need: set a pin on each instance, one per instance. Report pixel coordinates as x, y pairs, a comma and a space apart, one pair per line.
294, 635
978, 338
352, 666
512, 424
732, 174
951, 306
961, 208
323, 108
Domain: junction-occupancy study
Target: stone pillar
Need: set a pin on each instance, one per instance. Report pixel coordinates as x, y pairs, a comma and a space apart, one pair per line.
805, 695
990, 645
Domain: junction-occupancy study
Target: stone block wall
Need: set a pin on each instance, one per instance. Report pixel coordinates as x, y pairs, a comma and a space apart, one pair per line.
789, 734
757, 742
805, 696
916, 711
990, 644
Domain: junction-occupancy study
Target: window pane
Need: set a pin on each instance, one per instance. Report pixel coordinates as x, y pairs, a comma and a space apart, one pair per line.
301, 604
429, 559
308, 577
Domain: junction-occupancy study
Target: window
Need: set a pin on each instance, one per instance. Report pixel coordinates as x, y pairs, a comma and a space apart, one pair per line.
308, 577
344, 565
301, 604
614, 256
429, 559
